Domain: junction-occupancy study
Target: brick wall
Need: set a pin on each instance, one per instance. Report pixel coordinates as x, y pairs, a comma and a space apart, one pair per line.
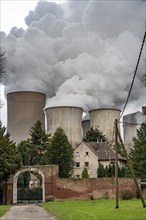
97, 188
71, 188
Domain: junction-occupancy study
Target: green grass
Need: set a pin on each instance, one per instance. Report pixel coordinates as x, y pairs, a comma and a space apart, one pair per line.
100, 209
4, 209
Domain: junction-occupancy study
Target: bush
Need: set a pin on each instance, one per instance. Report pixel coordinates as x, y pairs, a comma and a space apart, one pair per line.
85, 173
126, 194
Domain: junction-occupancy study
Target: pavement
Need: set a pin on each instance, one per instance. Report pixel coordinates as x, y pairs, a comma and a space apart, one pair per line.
27, 212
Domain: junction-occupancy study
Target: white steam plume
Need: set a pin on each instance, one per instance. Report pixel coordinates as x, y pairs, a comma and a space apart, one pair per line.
80, 53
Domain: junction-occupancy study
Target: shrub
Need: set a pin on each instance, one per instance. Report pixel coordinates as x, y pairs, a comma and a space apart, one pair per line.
85, 173
126, 194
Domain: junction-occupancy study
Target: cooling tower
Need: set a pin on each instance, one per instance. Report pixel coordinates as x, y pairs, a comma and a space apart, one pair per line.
85, 124
69, 119
131, 123
104, 119
24, 109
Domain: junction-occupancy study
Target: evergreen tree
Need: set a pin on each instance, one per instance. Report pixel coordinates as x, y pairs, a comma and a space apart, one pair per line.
10, 159
138, 153
120, 149
38, 135
61, 153
106, 171
34, 150
94, 135
109, 171
85, 173
100, 171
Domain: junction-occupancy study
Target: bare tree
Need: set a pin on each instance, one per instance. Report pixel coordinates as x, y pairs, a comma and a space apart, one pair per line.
2, 65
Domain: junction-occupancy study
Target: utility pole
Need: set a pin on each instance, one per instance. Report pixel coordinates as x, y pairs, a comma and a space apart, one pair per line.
116, 165
131, 169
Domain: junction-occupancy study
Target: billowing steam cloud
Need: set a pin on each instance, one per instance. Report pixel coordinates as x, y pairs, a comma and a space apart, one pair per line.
80, 53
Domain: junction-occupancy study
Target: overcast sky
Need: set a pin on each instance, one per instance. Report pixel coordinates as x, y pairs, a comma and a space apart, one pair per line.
82, 53
12, 14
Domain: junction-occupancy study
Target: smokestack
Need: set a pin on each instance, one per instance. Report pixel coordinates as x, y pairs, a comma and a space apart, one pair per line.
24, 109
104, 119
69, 119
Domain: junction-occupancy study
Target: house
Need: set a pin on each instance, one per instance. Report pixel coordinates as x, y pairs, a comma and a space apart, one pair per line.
85, 157
90, 155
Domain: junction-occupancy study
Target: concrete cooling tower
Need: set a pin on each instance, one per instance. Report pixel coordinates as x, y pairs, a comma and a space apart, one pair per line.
24, 109
132, 122
85, 124
104, 119
69, 119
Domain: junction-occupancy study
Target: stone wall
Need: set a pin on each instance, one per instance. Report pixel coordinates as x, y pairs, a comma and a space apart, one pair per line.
95, 188
67, 188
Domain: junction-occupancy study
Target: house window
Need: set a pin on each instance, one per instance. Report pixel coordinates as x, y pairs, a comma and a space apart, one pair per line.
77, 154
77, 164
87, 153
77, 176
86, 164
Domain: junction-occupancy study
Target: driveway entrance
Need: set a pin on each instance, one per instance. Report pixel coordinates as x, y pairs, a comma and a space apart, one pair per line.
48, 173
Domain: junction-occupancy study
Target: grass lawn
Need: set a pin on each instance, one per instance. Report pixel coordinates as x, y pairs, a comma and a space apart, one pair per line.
4, 209
100, 209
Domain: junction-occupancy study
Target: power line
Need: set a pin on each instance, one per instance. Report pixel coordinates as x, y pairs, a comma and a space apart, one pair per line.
130, 123
133, 76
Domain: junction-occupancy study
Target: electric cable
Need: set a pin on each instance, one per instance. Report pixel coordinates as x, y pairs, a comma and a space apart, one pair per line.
133, 76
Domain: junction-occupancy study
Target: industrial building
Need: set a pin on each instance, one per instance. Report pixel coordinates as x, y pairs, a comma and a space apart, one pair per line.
131, 123
69, 119
103, 119
26, 108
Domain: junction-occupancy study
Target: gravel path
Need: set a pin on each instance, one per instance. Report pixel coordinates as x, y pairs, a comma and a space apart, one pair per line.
27, 212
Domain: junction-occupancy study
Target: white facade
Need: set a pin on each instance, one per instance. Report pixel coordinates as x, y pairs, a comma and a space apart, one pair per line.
85, 157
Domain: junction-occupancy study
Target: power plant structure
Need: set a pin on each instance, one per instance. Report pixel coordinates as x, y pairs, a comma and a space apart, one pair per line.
104, 119
131, 123
69, 119
26, 107
85, 124
23, 110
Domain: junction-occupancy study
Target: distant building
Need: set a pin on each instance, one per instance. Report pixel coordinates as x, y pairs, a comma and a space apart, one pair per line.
85, 157
131, 123
90, 155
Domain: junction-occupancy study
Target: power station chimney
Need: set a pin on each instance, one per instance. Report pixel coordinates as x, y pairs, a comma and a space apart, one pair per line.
103, 119
69, 119
24, 109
